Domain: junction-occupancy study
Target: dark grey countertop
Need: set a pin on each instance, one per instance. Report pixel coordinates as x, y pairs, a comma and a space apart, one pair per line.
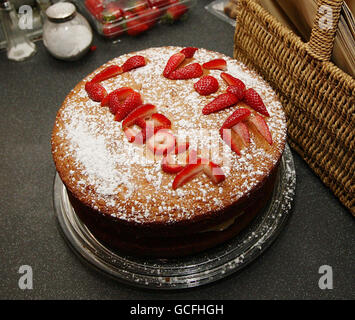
320, 231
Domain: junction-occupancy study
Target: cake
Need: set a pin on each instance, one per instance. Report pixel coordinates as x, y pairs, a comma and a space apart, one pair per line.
117, 183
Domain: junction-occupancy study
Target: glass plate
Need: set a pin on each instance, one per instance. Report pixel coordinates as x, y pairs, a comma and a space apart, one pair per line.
185, 272
217, 8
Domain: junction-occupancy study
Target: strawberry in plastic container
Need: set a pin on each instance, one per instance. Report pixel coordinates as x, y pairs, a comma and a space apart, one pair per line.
112, 12
174, 12
158, 3
95, 7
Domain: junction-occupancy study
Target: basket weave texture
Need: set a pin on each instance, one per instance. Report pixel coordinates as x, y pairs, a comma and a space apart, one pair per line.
317, 96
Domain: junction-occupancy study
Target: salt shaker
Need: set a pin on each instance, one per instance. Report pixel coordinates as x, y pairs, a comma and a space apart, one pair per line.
66, 33
19, 47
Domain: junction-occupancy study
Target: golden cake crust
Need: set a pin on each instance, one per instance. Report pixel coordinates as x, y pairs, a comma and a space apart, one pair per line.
107, 173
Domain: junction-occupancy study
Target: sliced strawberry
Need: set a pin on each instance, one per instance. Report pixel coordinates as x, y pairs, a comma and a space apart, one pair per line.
236, 117
189, 52
187, 174
218, 64
162, 142
135, 136
232, 81
238, 91
170, 166
95, 91
115, 105
161, 120
141, 122
206, 85
214, 172
190, 71
192, 157
174, 61
262, 127
118, 95
105, 101
133, 63
107, 73
229, 139
181, 147
253, 100
130, 134
223, 101
133, 101
141, 112
241, 129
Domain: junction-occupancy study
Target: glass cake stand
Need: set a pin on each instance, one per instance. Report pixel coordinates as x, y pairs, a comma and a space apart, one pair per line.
185, 272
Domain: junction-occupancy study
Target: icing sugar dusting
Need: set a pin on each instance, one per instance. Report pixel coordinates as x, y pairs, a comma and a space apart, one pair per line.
100, 169
124, 182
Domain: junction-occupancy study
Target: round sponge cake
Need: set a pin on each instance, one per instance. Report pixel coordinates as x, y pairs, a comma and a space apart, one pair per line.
121, 188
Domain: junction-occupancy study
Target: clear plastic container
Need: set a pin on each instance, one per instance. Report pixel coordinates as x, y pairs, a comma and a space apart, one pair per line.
113, 18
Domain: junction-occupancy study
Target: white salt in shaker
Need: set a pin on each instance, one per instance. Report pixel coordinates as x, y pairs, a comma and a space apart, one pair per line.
66, 33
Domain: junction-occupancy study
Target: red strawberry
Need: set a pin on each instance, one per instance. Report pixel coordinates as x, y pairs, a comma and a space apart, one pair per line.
150, 16
206, 85
223, 101
161, 120
237, 116
134, 26
95, 7
139, 6
133, 63
238, 91
174, 13
117, 95
253, 100
141, 122
241, 129
169, 166
133, 101
95, 91
132, 135
112, 12
229, 139
141, 112
192, 157
232, 81
107, 73
105, 100
262, 127
181, 147
158, 3
174, 61
187, 174
214, 172
190, 71
219, 64
189, 51
115, 105
162, 142
112, 30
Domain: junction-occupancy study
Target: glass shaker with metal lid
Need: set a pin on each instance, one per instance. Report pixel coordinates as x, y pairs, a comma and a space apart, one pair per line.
19, 47
66, 33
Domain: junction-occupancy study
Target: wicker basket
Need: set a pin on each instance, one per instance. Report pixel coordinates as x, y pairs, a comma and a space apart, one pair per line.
317, 96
